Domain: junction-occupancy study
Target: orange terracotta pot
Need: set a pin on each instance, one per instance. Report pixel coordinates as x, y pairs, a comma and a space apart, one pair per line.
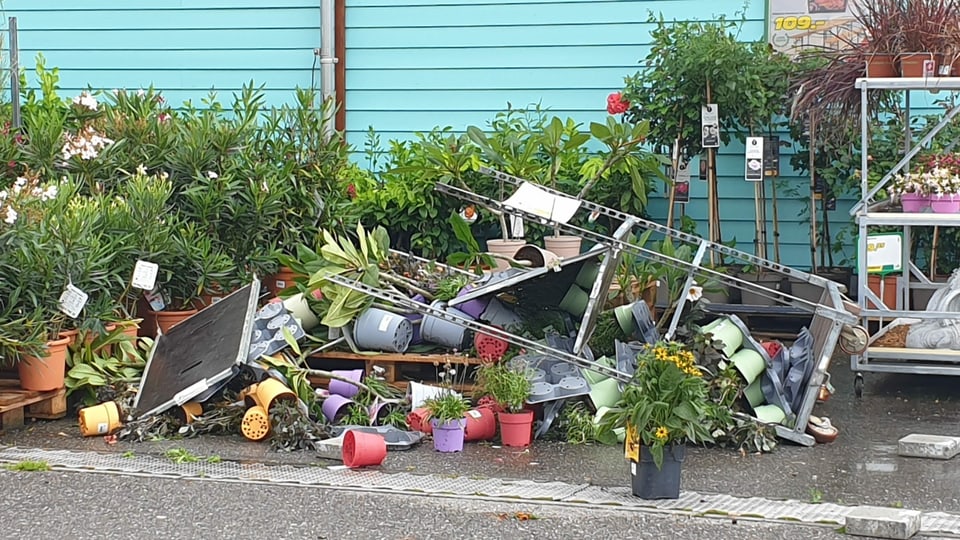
281, 280
45, 373
168, 319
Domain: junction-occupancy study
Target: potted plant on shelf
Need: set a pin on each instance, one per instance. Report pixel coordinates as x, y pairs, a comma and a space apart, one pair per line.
663, 407
882, 20
509, 387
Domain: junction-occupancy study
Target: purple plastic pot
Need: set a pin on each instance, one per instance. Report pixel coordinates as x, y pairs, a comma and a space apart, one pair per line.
346, 389
475, 307
415, 319
448, 437
334, 406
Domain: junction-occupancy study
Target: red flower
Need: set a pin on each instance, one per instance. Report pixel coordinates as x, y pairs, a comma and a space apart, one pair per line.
352, 191
12, 164
616, 104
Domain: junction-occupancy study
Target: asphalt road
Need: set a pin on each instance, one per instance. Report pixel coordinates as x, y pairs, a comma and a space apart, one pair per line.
56, 505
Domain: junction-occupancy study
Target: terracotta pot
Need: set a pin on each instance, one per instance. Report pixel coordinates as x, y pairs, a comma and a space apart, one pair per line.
889, 295
69, 334
281, 280
912, 64
563, 246
168, 319
507, 248
45, 373
881, 65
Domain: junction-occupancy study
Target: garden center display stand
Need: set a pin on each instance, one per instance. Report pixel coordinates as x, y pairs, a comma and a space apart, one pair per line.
907, 277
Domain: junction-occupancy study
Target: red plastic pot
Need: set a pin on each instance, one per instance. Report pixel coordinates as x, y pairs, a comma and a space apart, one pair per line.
363, 449
516, 429
481, 424
419, 420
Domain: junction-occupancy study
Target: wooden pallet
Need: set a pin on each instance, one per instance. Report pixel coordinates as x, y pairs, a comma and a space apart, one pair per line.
17, 404
392, 364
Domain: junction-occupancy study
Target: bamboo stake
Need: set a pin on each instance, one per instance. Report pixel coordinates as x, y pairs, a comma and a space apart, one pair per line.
933, 251
776, 221
673, 186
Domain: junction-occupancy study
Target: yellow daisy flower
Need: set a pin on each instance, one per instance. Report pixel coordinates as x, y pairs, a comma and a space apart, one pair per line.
661, 433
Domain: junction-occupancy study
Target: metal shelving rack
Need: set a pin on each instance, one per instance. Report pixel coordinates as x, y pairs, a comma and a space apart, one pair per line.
868, 212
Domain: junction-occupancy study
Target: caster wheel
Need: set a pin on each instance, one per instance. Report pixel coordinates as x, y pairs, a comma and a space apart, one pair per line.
858, 385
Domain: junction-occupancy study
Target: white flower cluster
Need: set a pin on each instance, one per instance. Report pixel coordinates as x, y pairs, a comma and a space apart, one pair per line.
86, 100
936, 181
87, 144
21, 188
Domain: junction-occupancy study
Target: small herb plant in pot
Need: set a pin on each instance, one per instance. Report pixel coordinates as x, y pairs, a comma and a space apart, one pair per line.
510, 387
446, 418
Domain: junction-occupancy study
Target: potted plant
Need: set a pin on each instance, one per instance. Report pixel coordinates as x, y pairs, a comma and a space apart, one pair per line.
446, 418
882, 20
924, 30
510, 387
663, 407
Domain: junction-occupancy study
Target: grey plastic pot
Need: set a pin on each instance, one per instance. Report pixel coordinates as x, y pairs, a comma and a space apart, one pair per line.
443, 332
380, 330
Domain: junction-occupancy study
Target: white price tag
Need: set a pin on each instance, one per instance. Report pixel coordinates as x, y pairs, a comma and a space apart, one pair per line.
72, 301
145, 275
475, 414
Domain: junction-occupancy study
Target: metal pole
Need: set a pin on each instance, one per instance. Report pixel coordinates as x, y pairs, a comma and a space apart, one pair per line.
327, 61
14, 72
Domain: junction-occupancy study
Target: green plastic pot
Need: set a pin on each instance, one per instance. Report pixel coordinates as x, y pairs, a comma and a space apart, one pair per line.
769, 414
605, 393
575, 301
725, 330
749, 363
754, 394
624, 315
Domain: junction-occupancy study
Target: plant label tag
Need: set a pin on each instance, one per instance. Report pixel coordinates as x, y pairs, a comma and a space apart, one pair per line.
145, 275
516, 227
633, 468
474, 414
72, 301
281, 284
710, 126
631, 444
103, 428
155, 299
754, 159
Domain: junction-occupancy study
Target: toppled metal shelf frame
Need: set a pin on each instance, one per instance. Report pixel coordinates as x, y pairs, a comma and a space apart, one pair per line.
834, 317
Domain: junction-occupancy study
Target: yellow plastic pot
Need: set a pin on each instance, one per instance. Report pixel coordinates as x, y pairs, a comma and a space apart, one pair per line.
102, 419
191, 411
266, 392
256, 423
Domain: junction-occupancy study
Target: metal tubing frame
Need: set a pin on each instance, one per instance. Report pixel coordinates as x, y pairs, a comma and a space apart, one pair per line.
831, 287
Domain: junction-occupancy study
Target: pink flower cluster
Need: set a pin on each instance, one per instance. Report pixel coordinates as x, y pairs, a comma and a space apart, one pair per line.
616, 104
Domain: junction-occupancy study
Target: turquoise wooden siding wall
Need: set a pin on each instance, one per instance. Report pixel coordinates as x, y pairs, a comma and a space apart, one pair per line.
412, 65
183, 47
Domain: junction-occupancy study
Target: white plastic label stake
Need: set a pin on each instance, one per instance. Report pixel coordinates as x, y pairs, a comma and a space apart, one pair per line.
145, 275
475, 414
72, 301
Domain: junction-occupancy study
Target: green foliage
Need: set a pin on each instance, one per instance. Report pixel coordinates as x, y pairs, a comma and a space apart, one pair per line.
28, 466
606, 332
447, 407
111, 359
579, 427
473, 258
509, 386
340, 257
449, 286
747, 80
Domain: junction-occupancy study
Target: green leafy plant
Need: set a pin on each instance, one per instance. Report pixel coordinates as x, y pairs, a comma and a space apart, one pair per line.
449, 286
28, 466
473, 258
181, 455
509, 386
107, 360
665, 401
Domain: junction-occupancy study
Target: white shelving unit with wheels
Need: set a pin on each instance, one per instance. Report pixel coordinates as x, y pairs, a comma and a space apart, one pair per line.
871, 213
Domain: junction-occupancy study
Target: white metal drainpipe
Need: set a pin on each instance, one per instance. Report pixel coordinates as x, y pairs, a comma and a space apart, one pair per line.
327, 61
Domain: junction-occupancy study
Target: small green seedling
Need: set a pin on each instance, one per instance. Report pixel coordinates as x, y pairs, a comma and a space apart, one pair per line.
28, 466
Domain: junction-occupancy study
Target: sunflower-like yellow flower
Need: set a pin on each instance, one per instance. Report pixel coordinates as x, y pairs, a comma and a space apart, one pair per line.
661, 433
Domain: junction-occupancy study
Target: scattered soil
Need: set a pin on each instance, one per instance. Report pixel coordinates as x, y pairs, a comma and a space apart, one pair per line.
894, 337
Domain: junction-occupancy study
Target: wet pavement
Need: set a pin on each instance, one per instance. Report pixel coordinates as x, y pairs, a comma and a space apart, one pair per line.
861, 467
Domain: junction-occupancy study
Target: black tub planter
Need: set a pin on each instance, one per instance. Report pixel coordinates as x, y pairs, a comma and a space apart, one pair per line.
648, 482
